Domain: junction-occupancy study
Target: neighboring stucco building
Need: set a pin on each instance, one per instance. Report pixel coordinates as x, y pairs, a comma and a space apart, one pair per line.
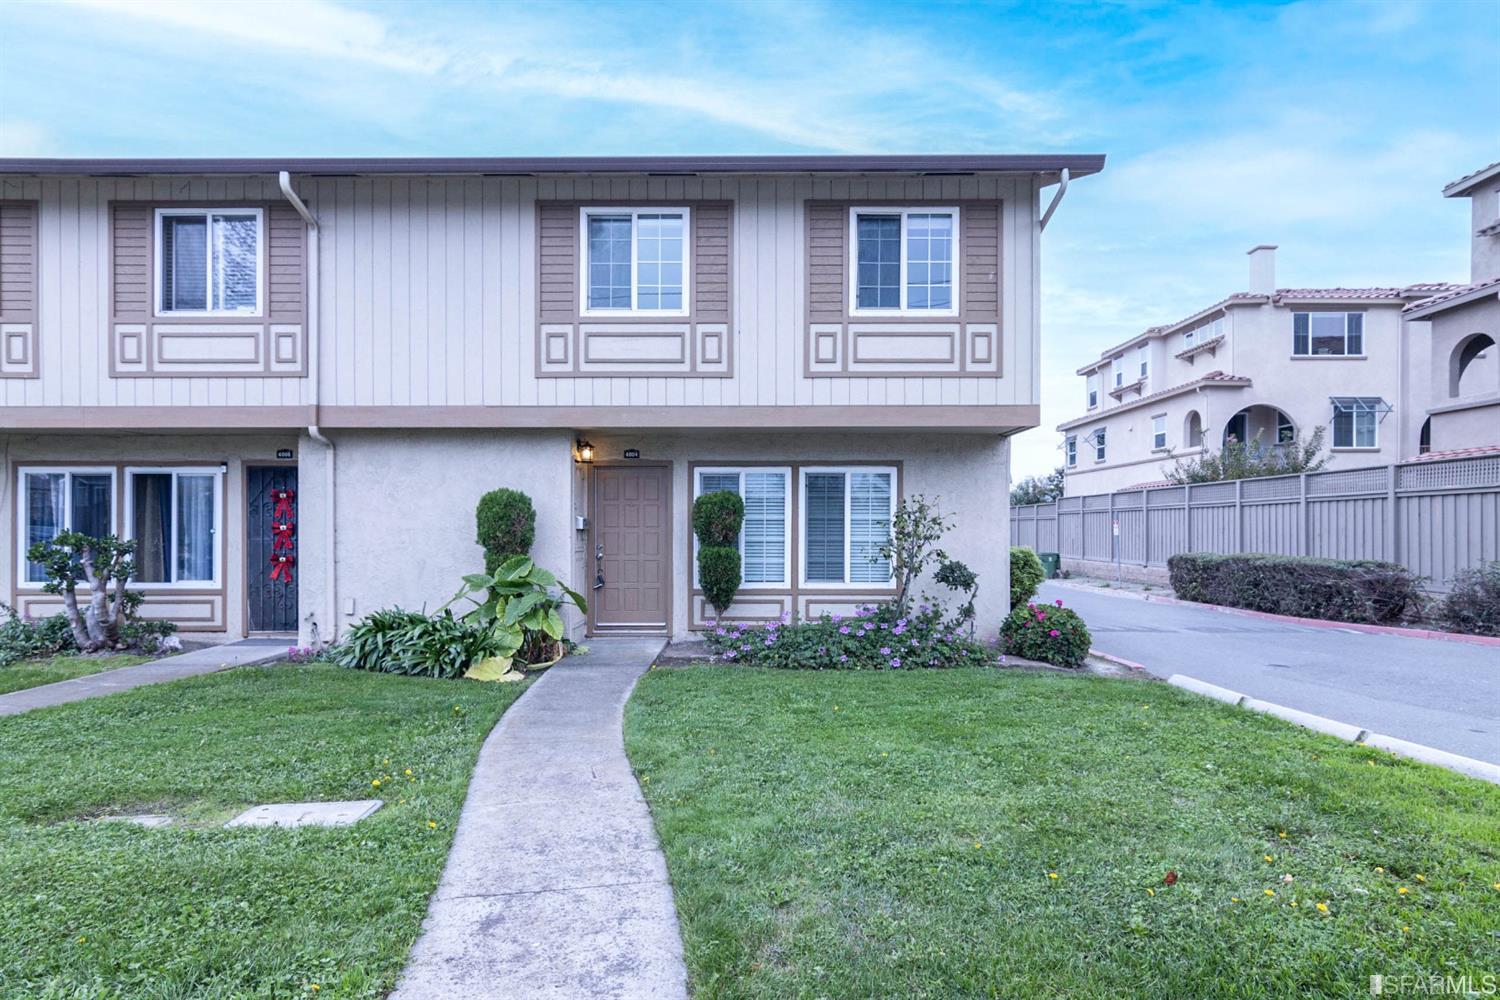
290, 381
1267, 364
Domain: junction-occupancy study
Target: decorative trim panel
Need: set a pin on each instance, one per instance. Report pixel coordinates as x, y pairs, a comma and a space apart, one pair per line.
18, 290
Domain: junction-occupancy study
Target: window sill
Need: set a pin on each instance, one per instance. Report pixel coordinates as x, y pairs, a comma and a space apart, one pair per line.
1365, 451
855, 315
634, 314
1330, 357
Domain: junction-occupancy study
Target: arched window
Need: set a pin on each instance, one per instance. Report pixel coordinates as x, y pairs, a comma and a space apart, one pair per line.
1192, 430
1424, 437
1474, 356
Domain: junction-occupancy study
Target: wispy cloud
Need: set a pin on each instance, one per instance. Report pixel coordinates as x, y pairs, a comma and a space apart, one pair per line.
19, 137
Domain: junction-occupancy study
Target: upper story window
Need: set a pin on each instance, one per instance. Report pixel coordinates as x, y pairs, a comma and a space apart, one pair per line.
1093, 390
1119, 366
635, 260
173, 516
1143, 359
1328, 334
1356, 422
1203, 332
1070, 450
1159, 431
208, 261
904, 261
1099, 445
765, 535
847, 516
53, 500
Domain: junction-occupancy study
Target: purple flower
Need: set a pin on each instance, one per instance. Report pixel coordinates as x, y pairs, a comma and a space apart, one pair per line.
730, 655
769, 642
914, 644
883, 626
896, 662
885, 651
1054, 633
719, 630
745, 646
843, 659
1058, 602
844, 630
837, 617
860, 634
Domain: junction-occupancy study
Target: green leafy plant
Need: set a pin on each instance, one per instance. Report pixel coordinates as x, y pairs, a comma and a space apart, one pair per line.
1038, 489
26, 638
506, 522
521, 604
958, 577
877, 638
394, 641
108, 619
717, 518
1026, 575
1348, 590
916, 529
1252, 460
1049, 633
1473, 605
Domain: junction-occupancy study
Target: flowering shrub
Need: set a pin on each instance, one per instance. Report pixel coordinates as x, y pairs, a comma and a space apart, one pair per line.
876, 638
303, 654
1047, 632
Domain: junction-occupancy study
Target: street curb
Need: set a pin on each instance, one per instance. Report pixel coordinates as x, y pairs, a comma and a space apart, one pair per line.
1483, 770
1118, 661
1410, 633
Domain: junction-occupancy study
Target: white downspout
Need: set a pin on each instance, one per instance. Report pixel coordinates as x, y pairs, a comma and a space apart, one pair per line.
314, 376
1062, 189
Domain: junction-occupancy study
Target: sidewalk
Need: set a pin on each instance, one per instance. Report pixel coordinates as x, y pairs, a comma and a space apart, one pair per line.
169, 668
555, 885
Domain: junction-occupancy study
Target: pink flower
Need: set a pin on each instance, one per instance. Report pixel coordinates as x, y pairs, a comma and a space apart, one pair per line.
1054, 633
1058, 602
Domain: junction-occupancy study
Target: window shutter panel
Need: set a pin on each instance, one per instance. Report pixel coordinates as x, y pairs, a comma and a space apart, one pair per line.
1301, 324
18, 250
286, 260
827, 261
711, 261
979, 232
558, 262
130, 252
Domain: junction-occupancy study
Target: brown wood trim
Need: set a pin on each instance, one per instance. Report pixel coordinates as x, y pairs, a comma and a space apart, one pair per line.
988, 419
29, 318
592, 626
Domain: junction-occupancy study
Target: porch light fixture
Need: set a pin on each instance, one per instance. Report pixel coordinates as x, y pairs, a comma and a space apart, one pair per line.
585, 451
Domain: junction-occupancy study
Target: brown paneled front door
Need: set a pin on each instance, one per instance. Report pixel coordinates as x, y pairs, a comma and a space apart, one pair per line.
632, 540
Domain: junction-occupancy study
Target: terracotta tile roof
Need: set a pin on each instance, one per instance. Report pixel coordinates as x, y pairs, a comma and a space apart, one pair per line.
1475, 452
1155, 484
1461, 185
1215, 378
1200, 347
1450, 293
1421, 290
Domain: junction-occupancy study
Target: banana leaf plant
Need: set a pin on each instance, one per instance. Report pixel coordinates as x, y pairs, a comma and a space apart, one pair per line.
522, 603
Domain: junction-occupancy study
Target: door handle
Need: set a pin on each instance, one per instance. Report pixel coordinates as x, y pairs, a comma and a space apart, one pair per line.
598, 567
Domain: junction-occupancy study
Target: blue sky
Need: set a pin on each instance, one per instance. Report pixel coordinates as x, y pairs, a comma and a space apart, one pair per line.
1326, 128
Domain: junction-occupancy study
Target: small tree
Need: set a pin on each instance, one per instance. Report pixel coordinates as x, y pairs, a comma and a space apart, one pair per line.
958, 577
912, 545
1252, 460
507, 526
71, 557
717, 518
1038, 489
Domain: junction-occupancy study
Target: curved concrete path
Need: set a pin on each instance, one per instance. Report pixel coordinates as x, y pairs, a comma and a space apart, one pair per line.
555, 886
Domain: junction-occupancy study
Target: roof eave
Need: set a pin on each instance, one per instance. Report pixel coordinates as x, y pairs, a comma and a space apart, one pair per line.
1465, 185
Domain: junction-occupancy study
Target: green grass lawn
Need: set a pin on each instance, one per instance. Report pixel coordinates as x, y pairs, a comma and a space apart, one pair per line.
107, 910
898, 834
33, 673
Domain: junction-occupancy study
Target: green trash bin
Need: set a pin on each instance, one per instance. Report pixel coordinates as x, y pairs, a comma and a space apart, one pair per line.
1050, 563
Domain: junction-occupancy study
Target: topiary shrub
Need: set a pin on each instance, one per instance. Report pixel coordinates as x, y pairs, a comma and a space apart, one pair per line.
1026, 574
717, 518
1354, 590
507, 526
1050, 633
1473, 605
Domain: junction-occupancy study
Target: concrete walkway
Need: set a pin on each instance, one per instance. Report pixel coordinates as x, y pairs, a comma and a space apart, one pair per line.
555, 886
169, 668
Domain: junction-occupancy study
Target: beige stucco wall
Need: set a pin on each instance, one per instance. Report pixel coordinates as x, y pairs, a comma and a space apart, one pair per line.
1465, 417
1484, 256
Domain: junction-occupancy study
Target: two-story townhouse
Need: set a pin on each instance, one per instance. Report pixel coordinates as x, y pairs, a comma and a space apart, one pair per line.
291, 381
1267, 364
1454, 378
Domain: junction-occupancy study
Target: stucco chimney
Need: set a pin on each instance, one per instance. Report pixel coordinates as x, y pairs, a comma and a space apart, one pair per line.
1263, 270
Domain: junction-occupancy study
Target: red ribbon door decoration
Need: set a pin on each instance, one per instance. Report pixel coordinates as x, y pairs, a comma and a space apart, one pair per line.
283, 528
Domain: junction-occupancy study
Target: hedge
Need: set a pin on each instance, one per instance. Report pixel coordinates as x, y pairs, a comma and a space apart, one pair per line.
506, 523
1362, 590
1026, 575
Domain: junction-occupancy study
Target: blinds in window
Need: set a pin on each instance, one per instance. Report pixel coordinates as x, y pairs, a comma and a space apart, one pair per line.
869, 526
1301, 324
764, 534
825, 527
184, 250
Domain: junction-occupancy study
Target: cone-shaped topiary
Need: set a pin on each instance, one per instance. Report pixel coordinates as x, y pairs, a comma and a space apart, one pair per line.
507, 526
717, 518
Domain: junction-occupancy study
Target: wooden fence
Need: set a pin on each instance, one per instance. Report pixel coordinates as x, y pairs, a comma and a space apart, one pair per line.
1436, 518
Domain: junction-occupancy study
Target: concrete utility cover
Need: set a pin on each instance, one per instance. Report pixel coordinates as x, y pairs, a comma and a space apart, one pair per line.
307, 813
144, 819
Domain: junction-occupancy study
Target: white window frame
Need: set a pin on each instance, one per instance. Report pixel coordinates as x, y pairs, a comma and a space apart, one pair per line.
635, 212
904, 212
1117, 365
845, 584
1093, 389
740, 470
1101, 444
208, 261
1310, 313
1070, 451
129, 512
1143, 360
1361, 404
1158, 430
22, 544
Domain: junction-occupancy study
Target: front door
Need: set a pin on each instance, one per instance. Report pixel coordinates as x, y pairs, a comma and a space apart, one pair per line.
632, 539
271, 548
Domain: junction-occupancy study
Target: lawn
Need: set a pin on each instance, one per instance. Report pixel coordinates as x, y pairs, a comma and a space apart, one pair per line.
1005, 834
48, 670
109, 910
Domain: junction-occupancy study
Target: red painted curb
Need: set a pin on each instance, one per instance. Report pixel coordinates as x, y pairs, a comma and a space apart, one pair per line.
1410, 633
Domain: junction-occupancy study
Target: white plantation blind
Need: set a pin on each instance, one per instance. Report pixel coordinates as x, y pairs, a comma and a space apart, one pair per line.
763, 539
869, 526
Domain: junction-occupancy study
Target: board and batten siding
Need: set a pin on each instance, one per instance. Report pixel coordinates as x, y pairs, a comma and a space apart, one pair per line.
429, 293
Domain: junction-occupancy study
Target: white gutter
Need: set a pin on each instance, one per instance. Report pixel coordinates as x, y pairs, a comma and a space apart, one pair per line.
1062, 189
314, 383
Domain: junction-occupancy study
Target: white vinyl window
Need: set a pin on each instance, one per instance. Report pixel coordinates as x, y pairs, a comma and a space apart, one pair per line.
209, 262
1119, 368
1159, 431
1093, 383
1099, 445
846, 519
765, 540
1070, 450
1143, 359
635, 261
52, 500
903, 261
1328, 334
1356, 422
173, 515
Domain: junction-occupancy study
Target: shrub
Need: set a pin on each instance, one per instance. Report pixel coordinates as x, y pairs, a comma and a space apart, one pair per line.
874, 639
507, 526
1336, 589
958, 577
717, 518
1473, 605
1050, 633
522, 605
407, 642
1026, 575
1251, 460
25, 638
107, 618
912, 545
